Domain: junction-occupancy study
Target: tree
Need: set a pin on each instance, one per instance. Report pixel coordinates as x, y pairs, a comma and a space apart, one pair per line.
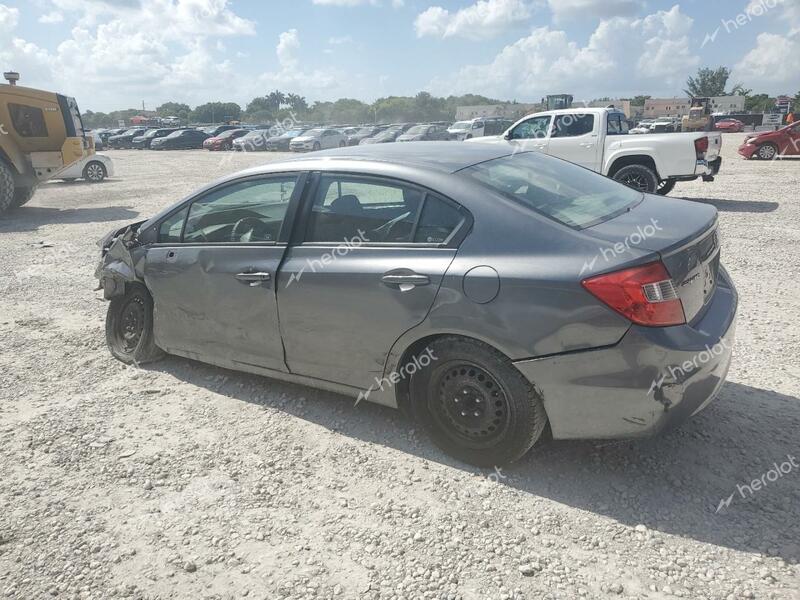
214, 112
296, 102
740, 90
174, 109
759, 103
709, 82
276, 99
638, 100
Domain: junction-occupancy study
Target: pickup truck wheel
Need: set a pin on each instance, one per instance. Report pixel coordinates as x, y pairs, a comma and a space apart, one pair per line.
665, 187
767, 151
638, 177
22, 195
6, 188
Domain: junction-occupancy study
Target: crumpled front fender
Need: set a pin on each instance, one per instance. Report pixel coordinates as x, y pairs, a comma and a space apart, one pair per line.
117, 264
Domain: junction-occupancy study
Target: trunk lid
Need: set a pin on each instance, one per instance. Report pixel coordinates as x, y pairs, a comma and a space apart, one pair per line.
685, 236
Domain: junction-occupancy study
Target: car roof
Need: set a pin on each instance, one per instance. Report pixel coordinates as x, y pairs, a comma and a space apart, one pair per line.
446, 157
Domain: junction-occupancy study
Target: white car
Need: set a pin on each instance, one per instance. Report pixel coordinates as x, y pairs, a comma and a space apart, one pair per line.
94, 168
597, 139
318, 139
467, 130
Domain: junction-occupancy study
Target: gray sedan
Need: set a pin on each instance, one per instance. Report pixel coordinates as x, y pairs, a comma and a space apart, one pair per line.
493, 296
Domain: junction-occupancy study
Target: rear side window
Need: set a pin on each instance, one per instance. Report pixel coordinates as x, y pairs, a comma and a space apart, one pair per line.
572, 125
617, 124
438, 221
28, 120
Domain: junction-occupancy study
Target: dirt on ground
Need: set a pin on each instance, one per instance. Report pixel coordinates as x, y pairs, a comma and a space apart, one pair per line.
182, 480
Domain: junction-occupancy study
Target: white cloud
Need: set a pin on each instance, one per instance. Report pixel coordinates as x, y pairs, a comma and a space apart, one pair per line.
9, 17
51, 17
569, 9
765, 65
288, 44
338, 41
653, 52
349, 3
484, 19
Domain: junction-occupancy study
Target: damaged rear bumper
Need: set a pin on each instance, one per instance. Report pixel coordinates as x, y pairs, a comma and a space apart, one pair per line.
653, 379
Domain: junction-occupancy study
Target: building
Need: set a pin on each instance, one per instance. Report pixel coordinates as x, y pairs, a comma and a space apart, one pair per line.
678, 107
623, 105
508, 110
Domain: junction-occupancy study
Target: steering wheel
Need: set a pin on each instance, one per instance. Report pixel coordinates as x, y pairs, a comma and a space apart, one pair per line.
245, 226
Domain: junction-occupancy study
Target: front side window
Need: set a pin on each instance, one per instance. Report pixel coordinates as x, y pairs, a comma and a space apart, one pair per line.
536, 127
169, 232
28, 120
572, 125
245, 212
557, 189
379, 211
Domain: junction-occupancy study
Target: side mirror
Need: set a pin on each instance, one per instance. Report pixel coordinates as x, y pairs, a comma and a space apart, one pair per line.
507, 135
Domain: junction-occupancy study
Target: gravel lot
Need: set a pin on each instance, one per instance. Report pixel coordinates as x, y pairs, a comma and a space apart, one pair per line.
182, 480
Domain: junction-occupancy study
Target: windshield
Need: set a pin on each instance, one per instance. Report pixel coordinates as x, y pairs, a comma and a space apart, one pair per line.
417, 129
228, 133
557, 189
366, 131
461, 125
150, 133
313, 132
175, 134
293, 133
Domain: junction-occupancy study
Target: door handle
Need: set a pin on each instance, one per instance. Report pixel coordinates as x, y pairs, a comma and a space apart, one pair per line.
253, 278
406, 281
587, 145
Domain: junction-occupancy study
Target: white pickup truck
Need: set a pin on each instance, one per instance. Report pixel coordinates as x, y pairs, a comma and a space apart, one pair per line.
597, 138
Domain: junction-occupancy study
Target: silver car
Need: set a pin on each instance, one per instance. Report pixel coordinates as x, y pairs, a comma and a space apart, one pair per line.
318, 139
487, 294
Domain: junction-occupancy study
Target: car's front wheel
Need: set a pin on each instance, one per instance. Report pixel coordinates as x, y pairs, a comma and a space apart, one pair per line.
474, 403
95, 172
129, 326
767, 151
638, 177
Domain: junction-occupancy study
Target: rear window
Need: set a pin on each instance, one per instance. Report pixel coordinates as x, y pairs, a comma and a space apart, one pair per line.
569, 194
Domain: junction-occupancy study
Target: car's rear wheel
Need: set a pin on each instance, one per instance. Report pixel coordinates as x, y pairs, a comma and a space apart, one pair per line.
638, 177
22, 195
129, 326
474, 403
665, 187
95, 172
767, 151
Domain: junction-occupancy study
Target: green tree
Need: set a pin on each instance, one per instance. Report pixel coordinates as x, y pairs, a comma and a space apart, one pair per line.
174, 109
296, 102
216, 112
709, 82
759, 103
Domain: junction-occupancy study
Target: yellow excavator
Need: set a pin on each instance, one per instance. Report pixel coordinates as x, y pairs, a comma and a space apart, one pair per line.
41, 134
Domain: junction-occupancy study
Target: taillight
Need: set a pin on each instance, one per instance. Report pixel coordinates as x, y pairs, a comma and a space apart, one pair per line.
701, 147
645, 295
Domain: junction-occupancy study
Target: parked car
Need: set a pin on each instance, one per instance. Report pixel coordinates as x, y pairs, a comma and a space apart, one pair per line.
317, 139
729, 125
183, 139
485, 339
94, 169
386, 136
467, 130
224, 141
215, 130
280, 143
125, 139
591, 138
144, 141
107, 133
364, 133
252, 141
665, 125
643, 126
425, 133
99, 144
771, 144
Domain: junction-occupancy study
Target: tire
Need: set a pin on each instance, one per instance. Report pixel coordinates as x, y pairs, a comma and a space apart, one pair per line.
767, 152
665, 187
506, 414
342, 144
6, 188
94, 172
22, 195
129, 326
316, 146
638, 177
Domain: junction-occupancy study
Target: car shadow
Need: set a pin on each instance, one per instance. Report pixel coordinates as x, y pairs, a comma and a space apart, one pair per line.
677, 483
30, 218
751, 206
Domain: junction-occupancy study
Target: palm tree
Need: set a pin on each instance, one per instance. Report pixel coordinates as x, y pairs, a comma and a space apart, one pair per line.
276, 99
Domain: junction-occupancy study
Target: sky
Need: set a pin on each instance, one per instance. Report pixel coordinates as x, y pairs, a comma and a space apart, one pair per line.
114, 54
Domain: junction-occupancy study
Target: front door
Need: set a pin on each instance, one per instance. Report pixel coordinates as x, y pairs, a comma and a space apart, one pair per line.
531, 134
366, 270
575, 137
212, 273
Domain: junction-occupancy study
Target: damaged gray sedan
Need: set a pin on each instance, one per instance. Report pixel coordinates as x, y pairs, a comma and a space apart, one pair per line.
492, 296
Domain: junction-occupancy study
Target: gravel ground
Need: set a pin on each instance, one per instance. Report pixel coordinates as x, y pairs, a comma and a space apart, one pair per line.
182, 480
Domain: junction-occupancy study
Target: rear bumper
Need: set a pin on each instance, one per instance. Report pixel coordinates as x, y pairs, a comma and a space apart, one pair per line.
653, 379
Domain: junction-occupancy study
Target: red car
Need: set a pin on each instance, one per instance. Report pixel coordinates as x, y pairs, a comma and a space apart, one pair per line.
224, 141
729, 125
768, 145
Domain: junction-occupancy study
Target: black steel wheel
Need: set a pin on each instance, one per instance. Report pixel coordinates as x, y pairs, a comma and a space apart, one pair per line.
129, 326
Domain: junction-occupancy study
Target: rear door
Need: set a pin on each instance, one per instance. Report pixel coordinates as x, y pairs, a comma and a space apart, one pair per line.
212, 272
366, 268
792, 147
